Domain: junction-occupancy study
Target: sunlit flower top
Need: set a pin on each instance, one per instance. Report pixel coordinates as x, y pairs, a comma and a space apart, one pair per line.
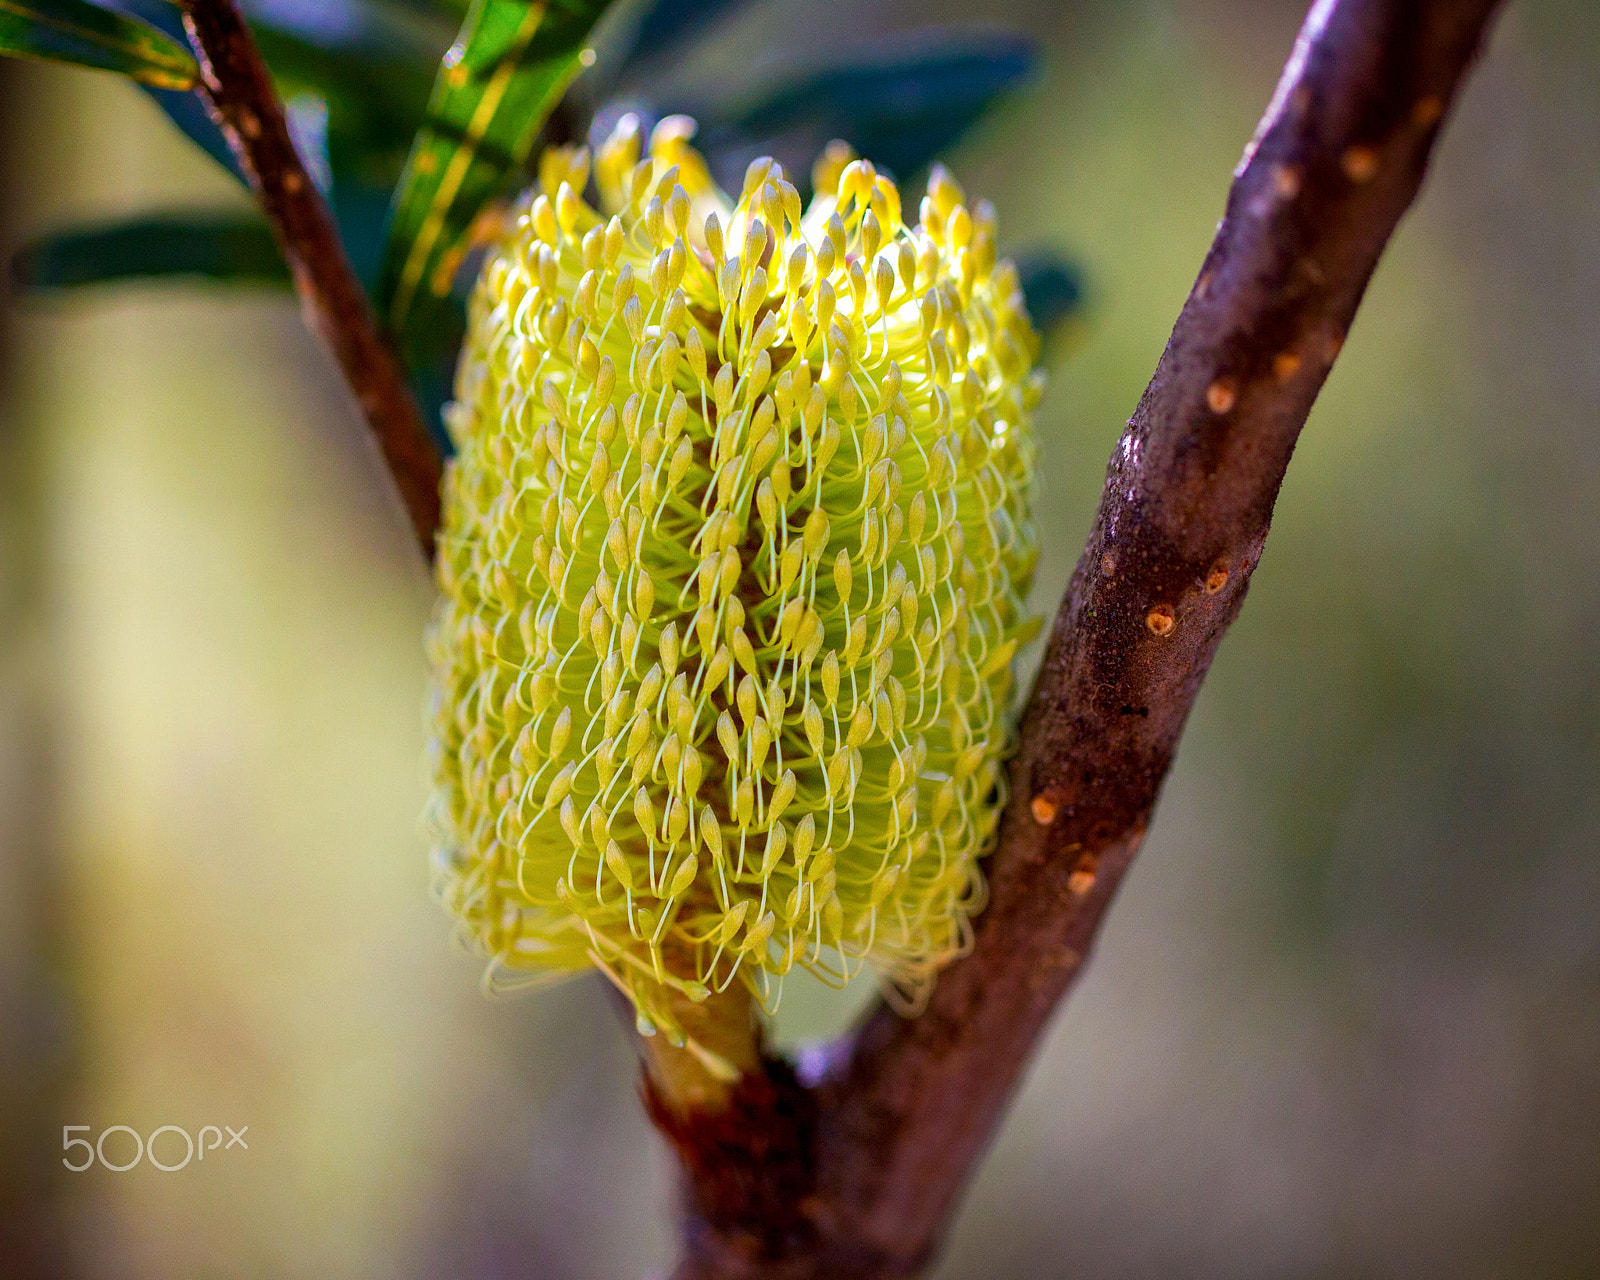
736, 543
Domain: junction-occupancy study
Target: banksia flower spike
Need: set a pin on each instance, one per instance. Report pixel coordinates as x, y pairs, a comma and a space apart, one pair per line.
737, 538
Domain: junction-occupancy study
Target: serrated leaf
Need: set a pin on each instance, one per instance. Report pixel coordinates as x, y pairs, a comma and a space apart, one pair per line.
900, 103
236, 248
85, 35
507, 69
1052, 286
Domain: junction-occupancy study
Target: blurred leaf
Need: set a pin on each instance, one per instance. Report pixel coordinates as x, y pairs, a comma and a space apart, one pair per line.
372, 69
85, 35
361, 210
372, 78
214, 246
183, 107
383, 28
901, 105
507, 69
668, 24
189, 114
1052, 286
433, 383
375, 101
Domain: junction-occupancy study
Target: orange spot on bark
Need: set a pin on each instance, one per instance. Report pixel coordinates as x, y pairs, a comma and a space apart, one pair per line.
1360, 164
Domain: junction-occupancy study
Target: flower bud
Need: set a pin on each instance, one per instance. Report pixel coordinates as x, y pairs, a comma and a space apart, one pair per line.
732, 576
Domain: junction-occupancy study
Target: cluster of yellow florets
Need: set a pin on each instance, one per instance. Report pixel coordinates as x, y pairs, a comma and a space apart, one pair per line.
736, 543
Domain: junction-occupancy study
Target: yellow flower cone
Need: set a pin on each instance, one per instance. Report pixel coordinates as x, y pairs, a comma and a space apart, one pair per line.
736, 543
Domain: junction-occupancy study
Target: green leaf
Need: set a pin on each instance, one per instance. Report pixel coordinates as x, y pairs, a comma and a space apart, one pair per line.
373, 65
85, 35
1052, 285
506, 71
375, 100
183, 107
900, 100
381, 28
237, 248
666, 25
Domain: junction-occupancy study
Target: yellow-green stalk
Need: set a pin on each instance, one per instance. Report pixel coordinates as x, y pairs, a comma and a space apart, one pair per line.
736, 543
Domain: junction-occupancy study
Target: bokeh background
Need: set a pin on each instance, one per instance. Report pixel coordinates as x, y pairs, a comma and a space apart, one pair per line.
1345, 1019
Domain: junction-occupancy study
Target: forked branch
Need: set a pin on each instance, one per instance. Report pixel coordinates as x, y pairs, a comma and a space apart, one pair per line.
888, 1131
238, 89
854, 1169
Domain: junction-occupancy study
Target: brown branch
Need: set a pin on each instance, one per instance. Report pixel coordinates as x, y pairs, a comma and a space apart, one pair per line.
855, 1171
882, 1143
238, 90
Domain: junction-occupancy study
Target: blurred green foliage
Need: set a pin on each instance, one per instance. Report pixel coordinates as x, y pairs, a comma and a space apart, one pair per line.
500, 80
416, 135
82, 34
222, 247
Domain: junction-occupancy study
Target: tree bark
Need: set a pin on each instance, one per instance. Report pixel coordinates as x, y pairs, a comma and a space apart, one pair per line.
882, 1135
